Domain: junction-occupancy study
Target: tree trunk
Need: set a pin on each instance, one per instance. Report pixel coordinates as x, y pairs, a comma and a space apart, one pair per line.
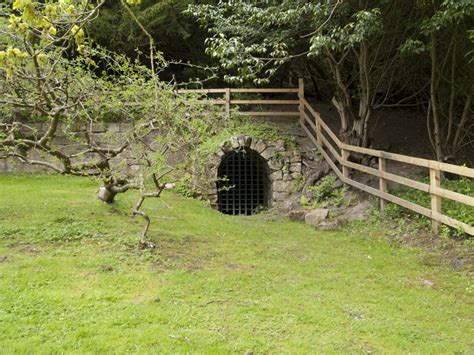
434, 102
106, 194
356, 136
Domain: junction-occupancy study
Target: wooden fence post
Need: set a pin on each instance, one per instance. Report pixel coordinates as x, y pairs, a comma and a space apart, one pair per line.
301, 98
382, 182
345, 158
318, 132
227, 102
435, 182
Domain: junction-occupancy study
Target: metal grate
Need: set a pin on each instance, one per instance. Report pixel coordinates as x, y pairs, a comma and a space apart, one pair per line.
243, 183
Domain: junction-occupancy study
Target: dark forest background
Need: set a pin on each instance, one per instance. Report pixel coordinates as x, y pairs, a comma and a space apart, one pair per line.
361, 58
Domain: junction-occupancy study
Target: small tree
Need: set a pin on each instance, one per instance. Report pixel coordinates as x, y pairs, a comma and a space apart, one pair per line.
50, 72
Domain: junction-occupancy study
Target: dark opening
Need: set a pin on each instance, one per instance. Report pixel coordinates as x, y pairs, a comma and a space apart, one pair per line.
243, 185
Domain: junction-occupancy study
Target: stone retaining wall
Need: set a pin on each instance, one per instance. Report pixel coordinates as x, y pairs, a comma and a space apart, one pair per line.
285, 164
101, 133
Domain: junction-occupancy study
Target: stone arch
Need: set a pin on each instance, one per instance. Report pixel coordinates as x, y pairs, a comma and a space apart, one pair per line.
284, 166
243, 184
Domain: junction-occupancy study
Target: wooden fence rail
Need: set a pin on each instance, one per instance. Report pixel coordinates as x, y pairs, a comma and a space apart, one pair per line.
337, 153
228, 101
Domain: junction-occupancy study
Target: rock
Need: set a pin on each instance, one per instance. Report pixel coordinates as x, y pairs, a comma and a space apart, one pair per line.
248, 142
275, 164
269, 152
241, 141
234, 142
358, 212
99, 127
337, 184
291, 203
295, 167
214, 160
259, 146
226, 146
295, 159
427, 283
282, 186
329, 225
315, 171
286, 154
316, 216
297, 214
276, 175
279, 196
280, 145
212, 199
220, 153
113, 127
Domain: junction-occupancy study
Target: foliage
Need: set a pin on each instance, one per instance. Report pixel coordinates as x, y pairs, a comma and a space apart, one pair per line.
177, 36
238, 126
324, 194
348, 41
356, 55
441, 36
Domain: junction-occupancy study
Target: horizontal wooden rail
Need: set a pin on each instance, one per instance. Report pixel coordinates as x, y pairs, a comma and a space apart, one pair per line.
201, 91
434, 189
264, 102
265, 91
269, 113
450, 168
337, 153
228, 101
241, 90
439, 217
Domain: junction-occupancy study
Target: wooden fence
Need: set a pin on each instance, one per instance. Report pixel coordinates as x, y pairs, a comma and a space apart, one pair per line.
228, 101
337, 153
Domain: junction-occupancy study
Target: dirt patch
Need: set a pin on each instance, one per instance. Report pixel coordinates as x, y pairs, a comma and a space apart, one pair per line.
3, 259
459, 253
26, 248
106, 268
188, 252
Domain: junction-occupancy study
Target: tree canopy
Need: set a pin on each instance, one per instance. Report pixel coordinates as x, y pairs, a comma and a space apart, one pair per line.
363, 55
360, 55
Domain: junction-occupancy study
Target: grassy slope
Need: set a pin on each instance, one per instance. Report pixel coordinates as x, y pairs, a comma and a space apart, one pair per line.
73, 280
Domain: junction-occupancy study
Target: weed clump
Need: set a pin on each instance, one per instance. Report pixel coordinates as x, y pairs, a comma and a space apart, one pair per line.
324, 194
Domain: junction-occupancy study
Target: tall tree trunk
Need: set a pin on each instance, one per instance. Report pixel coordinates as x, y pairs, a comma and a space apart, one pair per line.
466, 113
365, 104
434, 102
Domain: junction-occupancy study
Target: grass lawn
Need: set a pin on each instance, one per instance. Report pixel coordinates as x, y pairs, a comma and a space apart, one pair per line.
73, 280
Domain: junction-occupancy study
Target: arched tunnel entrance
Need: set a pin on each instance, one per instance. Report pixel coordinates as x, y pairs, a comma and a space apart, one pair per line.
243, 183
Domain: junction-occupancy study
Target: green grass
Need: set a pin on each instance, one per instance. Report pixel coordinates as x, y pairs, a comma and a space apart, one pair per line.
73, 280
